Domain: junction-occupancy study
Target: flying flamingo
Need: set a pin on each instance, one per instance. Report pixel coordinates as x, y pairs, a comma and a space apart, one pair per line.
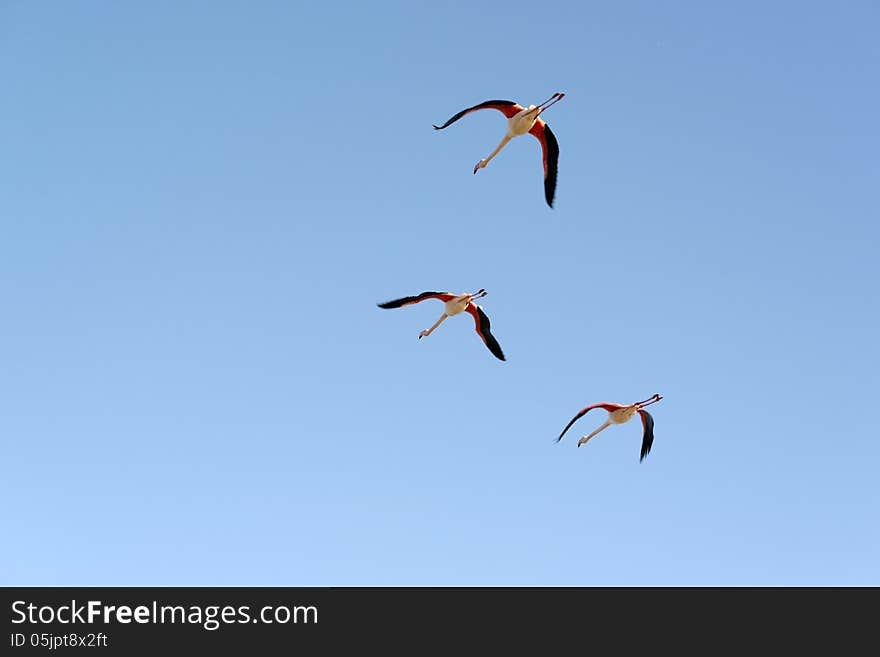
521, 120
618, 414
455, 304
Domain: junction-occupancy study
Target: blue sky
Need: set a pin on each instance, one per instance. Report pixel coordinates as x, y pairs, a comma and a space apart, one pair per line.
202, 202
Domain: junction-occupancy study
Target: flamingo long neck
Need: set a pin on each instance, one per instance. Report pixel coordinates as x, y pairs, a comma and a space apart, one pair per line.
602, 428
497, 150
436, 324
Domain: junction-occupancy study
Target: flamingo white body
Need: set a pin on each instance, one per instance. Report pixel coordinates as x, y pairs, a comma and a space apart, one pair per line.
522, 120
457, 305
620, 414
454, 304
517, 125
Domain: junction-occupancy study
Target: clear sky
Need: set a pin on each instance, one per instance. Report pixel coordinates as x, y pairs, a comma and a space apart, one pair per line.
201, 204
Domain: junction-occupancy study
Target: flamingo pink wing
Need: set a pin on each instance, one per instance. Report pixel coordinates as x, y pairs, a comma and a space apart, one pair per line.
406, 301
605, 405
648, 435
482, 325
550, 151
507, 107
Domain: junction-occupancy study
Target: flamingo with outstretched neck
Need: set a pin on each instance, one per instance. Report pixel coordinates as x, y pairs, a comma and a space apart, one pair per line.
522, 120
453, 305
618, 414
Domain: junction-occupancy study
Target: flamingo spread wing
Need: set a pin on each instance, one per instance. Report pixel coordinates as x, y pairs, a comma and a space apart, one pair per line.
608, 407
482, 325
508, 107
406, 301
550, 150
648, 436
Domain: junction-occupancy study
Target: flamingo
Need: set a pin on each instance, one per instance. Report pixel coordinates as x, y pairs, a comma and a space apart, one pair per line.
618, 414
455, 304
521, 120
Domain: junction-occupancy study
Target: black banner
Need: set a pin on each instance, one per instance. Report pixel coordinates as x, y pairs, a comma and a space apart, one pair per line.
134, 620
